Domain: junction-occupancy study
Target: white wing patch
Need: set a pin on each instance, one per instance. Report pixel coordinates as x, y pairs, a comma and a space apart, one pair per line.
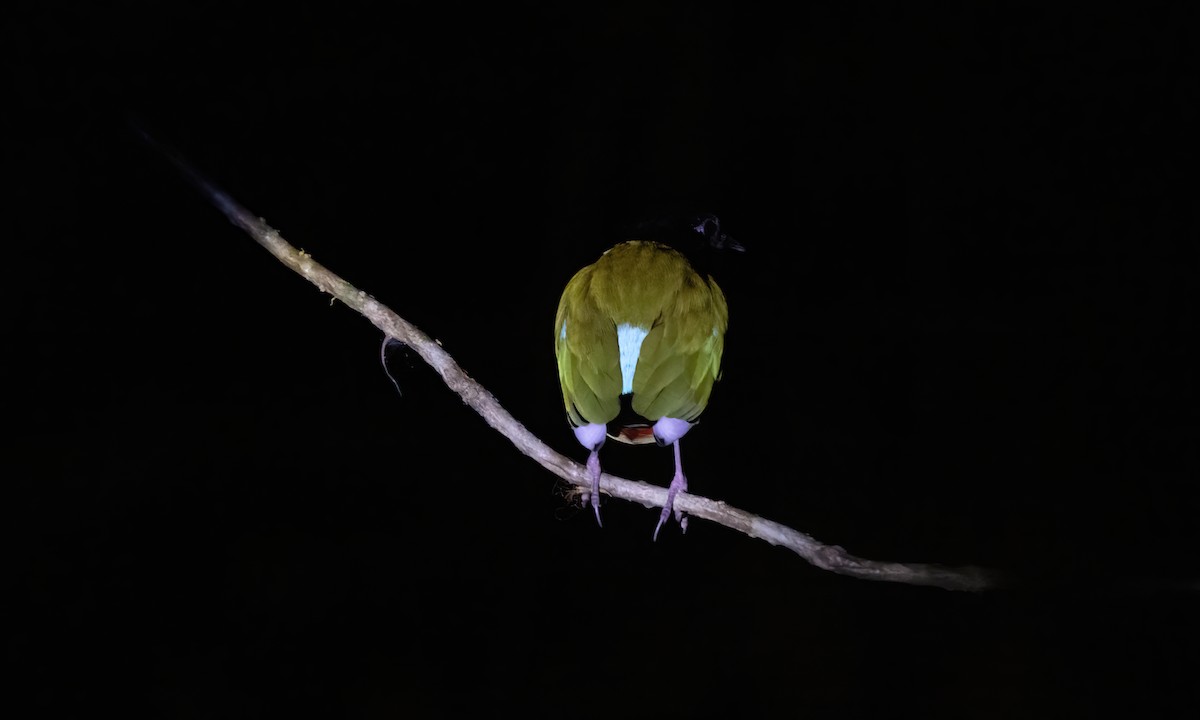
563, 334
629, 340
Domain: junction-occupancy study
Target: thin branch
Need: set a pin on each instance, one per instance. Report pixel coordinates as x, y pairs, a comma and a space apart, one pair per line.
826, 557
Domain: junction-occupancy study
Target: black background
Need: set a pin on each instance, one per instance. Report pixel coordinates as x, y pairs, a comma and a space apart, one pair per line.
964, 332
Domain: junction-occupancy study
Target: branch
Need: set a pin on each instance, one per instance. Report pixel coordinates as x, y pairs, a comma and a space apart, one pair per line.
826, 557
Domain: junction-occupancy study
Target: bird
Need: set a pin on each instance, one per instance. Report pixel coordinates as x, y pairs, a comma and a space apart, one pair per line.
639, 336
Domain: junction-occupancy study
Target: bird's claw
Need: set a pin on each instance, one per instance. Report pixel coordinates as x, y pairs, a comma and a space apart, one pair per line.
593, 466
596, 507
679, 482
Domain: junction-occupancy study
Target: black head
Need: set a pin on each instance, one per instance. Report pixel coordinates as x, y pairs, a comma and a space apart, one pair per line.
708, 228
687, 233
699, 236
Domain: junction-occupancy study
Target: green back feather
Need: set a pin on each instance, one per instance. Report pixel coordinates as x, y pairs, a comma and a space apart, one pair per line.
651, 286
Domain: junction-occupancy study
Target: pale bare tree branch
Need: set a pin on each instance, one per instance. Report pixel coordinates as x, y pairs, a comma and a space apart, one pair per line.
826, 557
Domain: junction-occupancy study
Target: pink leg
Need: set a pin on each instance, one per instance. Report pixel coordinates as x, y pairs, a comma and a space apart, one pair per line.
678, 483
593, 466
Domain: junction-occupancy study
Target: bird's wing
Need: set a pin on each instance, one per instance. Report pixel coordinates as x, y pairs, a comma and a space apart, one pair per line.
681, 356
585, 343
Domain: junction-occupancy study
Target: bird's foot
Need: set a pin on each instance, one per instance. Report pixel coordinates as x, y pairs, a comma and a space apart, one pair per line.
678, 483
593, 467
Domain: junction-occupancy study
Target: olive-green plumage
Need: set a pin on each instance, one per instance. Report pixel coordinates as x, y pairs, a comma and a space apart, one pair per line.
650, 290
